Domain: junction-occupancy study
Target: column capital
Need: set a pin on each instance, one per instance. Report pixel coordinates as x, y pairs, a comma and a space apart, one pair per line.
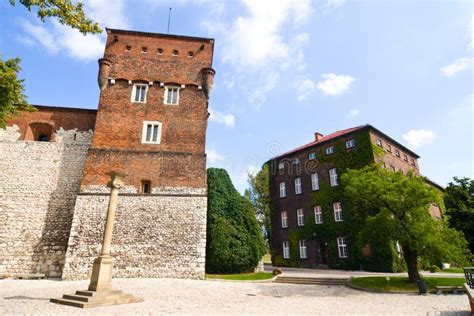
117, 180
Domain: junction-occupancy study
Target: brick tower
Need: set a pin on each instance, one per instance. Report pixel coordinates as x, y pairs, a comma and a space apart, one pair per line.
151, 125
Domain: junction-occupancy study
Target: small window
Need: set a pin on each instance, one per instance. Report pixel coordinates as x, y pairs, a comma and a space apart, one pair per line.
413, 162
300, 216
315, 181
286, 249
405, 157
337, 211
146, 187
342, 247
312, 156
379, 142
284, 220
303, 253
295, 161
151, 133
282, 189
171, 95
128, 48
190, 54
144, 49
330, 150
160, 51
389, 148
333, 178
350, 144
298, 188
281, 166
318, 215
397, 153
139, 93
175, 52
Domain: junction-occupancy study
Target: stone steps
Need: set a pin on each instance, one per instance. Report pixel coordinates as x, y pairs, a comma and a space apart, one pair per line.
87, 299
311, 281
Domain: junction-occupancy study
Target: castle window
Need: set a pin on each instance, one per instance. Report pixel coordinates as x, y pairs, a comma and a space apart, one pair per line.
190, 54
333, 179
379, 142
312, 156
146, 187
342, 247
286, 249
175, 52
128, 48
139, 93
151, 133
298, 189
405, 157
389, 148
284, 219
300, 216
413, 162
330, 150
281, 166
303, 253
318, 215
397, 153
337, 211
171, 95
144, 49
43, 138
350, 144
295, 161
160, 51
315, 181
40, 132
282, 189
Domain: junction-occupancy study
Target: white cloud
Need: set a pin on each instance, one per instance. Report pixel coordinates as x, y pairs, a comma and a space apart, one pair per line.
38, 33
258, 95
332, 5
353, 113
305, 89
418, 138
471, 43
107, 14
213, 157
457, 66
334, 84
222, 118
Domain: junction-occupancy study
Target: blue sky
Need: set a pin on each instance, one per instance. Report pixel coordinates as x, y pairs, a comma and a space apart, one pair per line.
286, 69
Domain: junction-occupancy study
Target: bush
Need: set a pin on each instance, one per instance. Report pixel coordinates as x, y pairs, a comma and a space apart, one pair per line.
434, 268
276, 271
234, 240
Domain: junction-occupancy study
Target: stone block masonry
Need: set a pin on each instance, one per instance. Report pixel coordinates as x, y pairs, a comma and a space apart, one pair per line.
39, 182
155, 235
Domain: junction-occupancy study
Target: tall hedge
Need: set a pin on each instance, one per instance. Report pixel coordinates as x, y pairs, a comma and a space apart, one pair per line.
234, 240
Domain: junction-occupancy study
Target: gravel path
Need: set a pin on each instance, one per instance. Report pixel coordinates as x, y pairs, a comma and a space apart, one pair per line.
175, 296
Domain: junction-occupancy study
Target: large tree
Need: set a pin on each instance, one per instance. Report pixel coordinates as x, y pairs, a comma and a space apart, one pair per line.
259, 196
397, 206
459, 202
234, 239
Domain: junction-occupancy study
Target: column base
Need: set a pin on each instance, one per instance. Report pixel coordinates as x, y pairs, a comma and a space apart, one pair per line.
88, 299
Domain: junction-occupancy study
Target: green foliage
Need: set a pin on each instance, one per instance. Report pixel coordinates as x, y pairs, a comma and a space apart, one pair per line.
12, 98
241, 277
259, 196
395, 206
459, 202
434, 268
234, 239
402, 284
65, 11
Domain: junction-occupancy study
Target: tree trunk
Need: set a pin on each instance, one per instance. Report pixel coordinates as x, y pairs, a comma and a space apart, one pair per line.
411, 259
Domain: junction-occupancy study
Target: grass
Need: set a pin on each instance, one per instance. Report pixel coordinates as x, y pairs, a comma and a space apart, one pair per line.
453, 270
401, 284
241, 277
267, 258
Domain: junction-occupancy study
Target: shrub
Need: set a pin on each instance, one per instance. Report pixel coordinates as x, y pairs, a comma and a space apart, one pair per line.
434, 268
276, 271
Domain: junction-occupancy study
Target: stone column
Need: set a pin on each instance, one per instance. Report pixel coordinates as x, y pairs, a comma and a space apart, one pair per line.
101, 278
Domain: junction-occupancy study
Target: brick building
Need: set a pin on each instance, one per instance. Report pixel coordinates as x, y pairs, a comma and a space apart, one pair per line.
305, 197
150, 124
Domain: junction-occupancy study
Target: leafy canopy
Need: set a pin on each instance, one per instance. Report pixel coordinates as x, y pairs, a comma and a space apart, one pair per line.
259, 196
65, 11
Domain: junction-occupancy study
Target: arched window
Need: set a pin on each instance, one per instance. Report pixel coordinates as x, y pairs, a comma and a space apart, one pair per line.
41, 132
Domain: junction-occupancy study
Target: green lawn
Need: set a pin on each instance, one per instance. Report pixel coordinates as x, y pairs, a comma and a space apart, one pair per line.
241, 277
453, 270
401, 284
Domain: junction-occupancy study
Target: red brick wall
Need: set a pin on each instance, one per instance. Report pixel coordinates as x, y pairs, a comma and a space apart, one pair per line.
67, 118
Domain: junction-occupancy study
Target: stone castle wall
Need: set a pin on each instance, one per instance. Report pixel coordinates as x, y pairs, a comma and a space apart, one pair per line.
39, 182
155, 235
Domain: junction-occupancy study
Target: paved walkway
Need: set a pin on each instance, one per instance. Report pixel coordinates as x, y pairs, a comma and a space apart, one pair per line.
193, 297
330, 273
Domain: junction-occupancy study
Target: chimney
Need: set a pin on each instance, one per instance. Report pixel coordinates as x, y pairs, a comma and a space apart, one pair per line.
318, 136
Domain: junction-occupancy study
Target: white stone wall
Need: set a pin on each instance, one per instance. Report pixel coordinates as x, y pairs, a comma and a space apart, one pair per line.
39, 182
162, 235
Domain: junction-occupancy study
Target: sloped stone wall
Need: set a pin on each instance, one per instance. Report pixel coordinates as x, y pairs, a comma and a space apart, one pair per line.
39, 182
155, 235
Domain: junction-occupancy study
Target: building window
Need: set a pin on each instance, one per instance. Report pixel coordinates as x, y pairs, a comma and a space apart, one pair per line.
160, 51
318, 215
175, 52
144, 50
146, 187
405, 157
190, 54
151, 133
337, 211
389, 148
282, 189
379, 142
413, 162
315, 181
43, 138
350, 144
300, 216
286, 249
342, 247
295, 161
128, 48
139, 93
303, 253
171, 95
312, 156
330, 150
281, 166
397, 153
298, 189
333, 177
284, 220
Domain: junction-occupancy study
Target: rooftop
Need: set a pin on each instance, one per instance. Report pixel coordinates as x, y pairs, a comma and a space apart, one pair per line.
183, 37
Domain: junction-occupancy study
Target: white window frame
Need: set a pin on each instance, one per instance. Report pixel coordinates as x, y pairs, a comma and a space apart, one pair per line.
303, 249
312, 156
337, 207
342, 247
282, 189
330, 150
315, 181
134, 92
379, 142
295, 161
167, 88
286, 249
284, 219
298, 186
333, 178
300, 216
281, 166
318, 215
350, 144
144, 132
